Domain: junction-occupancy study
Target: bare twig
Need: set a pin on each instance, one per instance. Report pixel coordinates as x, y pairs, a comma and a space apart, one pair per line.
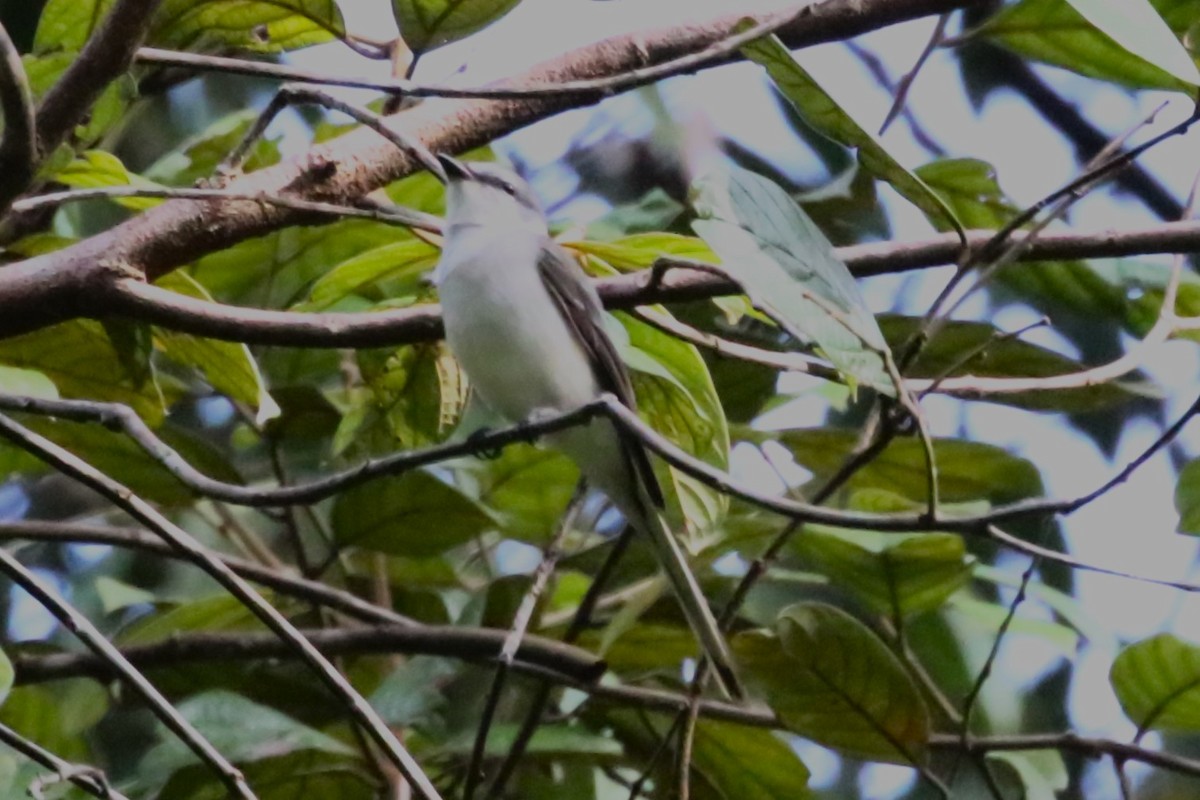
72, 466
516, 634
87, 778
116, 663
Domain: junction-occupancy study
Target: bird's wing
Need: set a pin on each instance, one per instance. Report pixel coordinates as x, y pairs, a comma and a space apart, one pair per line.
579, 304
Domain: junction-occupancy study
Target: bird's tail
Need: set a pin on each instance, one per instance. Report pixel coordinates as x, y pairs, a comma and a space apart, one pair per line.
700, 618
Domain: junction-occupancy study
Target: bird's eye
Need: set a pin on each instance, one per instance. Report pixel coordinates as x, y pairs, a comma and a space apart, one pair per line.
509, 189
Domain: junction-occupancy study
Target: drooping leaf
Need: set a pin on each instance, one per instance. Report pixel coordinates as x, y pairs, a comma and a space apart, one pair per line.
823, 113
742, 762
426, 24
988, 618
413, 514
1131, 42
26, 383
830, 679
1157, 681
228, 366
967, 471
261, 26
677, 398
93, 169
774, 250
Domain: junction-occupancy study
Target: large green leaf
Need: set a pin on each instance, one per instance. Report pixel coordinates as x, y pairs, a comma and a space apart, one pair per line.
998, 356
677, 397
414, 515
896, 574
1132, 42
426, 24
1157, 681
57, 716
823, 113
967, 470
830, 679
263, 26
404, 261
229, 367
740, 762
1041, 773
82, 362
242, 730
527, 487
769, 245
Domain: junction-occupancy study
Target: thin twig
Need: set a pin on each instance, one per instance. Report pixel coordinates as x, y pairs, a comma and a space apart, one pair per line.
121, 496
900, 95
88, 778
116, 662
516, 634
393, 215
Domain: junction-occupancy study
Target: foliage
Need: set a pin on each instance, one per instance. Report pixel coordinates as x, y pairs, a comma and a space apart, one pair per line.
887, 585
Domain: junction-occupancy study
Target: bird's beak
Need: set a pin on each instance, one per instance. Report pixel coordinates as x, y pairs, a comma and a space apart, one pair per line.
455, 169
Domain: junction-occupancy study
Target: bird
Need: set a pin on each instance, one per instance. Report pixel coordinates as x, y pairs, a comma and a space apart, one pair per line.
527, 326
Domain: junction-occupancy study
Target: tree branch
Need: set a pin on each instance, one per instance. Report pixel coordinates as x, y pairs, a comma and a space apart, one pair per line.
18, 147
78, 280
108, 53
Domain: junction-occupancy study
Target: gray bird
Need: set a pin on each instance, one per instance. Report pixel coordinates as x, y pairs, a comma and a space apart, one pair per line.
527, 326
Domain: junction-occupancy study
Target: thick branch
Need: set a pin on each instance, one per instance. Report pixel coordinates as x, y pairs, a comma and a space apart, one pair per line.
471, 644
136, 299
79, 280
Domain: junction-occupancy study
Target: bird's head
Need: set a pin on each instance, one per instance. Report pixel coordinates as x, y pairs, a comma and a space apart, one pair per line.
488, 194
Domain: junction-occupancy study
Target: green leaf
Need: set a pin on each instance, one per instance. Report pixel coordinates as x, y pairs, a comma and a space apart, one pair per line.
229, 367
414, 515
81, 361
823, 113
7, 675
770, 246
57, 716
116, 595
197, 158
830, 679
296, 775
409, 696
1157, 681
44, 70
218, 612
1131, 42
242, 730
1187, 497
426, 24
418, 392
970, 187
67, 24
967, 471
740, 762
404, 262
261, 26
1041, 773
988, 618
550, 741
999, 356
896, 574
93, 169
526, 487
645, 646
654, 211
677, 398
